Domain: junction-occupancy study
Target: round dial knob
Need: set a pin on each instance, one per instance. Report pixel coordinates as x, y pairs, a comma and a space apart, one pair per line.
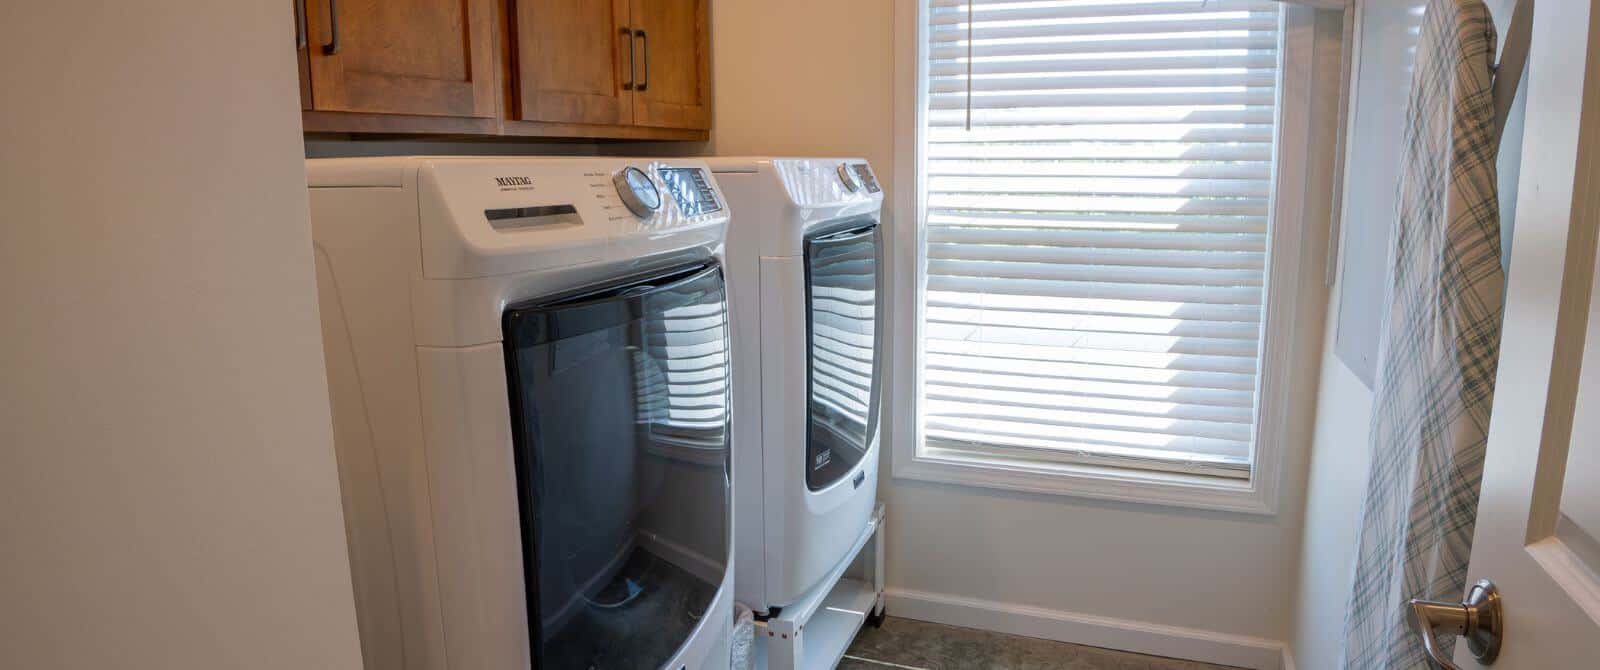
637, 191
851, 184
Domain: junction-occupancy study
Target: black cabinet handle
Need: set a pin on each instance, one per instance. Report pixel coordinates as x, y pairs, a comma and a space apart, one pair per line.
646, 46
332, 47
627, 34
299, 24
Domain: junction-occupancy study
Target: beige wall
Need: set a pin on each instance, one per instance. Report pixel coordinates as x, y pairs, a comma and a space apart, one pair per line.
168, 493
804, 78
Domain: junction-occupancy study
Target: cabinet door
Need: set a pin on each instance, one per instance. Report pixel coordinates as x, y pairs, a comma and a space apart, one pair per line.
573, 61
673, 43
424, 57
302, 45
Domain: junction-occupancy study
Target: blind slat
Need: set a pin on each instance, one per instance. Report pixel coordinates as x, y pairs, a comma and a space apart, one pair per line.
1089, 339
1098, 179
1097, 204
1120, 221
1255, 188
1096, 239
1147, 45
1205, 25
1199, 284
998, 430
1164, 293
1131, 381
958, 83
1087, 63
1184, 263
1108, 381
1054, 117
1056, 410
1107, 151
1047, 305
1164, 396
1215, 96
1108, 132
1066, 354
1183, 169
1104, 323
955, 12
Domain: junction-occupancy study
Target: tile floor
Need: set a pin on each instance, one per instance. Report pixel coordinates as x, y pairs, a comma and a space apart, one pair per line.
903, 644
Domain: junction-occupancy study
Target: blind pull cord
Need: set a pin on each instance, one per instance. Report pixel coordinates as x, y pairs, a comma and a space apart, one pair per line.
969, 65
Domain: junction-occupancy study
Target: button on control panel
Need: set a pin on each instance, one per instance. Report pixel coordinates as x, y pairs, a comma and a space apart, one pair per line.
864, 175
848, 176
637, 191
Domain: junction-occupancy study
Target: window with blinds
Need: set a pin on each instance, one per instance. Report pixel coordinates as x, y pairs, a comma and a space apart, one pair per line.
1098, 176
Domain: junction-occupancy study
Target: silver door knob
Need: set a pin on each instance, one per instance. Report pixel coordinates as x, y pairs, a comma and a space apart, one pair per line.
1478, 620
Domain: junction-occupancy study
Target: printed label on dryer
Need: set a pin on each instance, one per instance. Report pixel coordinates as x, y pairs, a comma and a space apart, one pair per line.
514, 183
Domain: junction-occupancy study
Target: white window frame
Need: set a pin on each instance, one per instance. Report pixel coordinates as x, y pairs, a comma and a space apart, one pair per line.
1258, 494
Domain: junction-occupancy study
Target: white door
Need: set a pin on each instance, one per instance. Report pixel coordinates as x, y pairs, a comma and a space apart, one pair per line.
1538, 531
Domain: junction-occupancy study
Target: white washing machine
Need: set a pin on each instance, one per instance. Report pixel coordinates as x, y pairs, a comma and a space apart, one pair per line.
529, 369
803, 273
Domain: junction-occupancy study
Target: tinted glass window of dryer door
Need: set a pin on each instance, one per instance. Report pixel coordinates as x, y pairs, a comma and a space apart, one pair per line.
620, 411
842, 359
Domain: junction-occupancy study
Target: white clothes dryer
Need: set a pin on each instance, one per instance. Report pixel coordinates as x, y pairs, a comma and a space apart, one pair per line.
529, 370
804, 283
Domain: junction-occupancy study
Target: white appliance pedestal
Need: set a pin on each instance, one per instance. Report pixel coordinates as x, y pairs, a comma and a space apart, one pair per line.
814, 632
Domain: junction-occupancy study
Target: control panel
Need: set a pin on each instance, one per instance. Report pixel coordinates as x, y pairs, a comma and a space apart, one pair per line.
489, 216
823, 182
691, 190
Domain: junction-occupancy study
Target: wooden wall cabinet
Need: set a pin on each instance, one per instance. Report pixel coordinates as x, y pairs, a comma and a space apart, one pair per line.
596, 69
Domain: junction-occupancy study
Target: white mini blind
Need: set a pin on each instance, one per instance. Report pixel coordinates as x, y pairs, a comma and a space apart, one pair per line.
1098, 177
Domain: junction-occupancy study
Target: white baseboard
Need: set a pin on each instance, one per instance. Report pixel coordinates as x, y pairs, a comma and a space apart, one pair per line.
1095, 631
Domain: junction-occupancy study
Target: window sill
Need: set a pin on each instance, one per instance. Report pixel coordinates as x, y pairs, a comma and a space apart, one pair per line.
1095, 482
